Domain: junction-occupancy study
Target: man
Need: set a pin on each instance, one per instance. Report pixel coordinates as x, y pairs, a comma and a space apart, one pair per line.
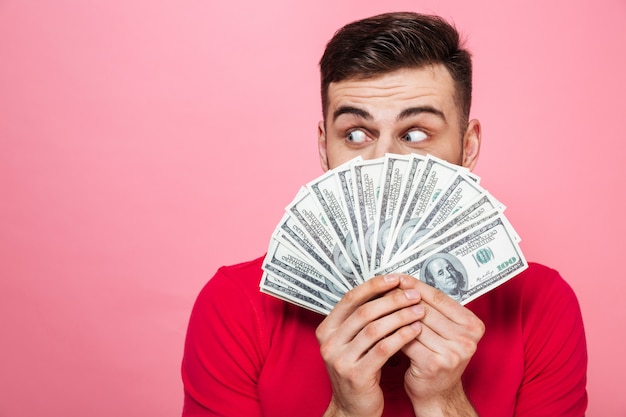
394, 346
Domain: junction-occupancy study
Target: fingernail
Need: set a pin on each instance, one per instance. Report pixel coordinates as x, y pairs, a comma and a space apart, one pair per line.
418, 309
412, 294
392, 277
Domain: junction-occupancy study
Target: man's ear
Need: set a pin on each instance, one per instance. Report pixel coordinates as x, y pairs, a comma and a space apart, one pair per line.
321, 144
471, 144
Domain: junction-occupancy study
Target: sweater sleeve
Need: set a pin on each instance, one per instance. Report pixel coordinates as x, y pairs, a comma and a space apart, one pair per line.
223, 352
555, 352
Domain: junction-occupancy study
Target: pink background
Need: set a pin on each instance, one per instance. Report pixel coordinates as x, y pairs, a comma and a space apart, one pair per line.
145, 143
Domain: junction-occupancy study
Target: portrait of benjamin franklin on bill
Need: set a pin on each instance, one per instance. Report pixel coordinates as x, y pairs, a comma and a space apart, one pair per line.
444, 272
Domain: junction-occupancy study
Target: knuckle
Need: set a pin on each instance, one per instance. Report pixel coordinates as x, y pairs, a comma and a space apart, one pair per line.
383, 348
480, 327
455, 359
467, 348
350, 297
451, 360
407, 315
475, 325
320, 333
407, 333
438, 297
363, 314
470, 346
326, 351
409, 281
398, 297
372, 330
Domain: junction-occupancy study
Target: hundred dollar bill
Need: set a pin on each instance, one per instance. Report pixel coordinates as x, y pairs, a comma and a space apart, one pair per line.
471, 264
327, 193
366, 184
485, 202
435, 175
459, 192
344, 182
393, 173
480, 207
273, 284
301, 272
409, 180
290, 232
434, 239
317, 227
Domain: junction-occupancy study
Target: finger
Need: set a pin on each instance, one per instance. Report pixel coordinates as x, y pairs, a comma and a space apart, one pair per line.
371, 311
354, 299
441, 309
379, 340
371, 316
386, 347
429, 351
433, 340
442, 350
387, 328
432, 295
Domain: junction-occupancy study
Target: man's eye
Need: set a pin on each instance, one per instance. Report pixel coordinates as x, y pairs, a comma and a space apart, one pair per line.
356, 136
415, 136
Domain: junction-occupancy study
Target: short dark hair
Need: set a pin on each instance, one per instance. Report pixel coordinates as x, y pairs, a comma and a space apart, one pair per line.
388, 42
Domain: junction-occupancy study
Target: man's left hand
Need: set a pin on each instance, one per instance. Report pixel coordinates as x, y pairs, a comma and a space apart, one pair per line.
440, 353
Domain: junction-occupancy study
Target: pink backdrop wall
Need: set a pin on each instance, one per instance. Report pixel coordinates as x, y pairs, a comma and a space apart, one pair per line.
145, 143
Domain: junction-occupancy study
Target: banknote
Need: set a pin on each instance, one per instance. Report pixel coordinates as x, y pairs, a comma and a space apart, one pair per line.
471, 264
327, 193
318, 230
303, 273
435, 175
417, 164
434, 240
366, 183
413, 214
459, 191
395, 167
271, 284
344, 182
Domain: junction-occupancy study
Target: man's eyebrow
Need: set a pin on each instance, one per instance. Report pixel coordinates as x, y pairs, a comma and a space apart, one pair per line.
413, 111
351, 110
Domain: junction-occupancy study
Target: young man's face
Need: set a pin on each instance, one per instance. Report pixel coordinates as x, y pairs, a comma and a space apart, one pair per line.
406, 111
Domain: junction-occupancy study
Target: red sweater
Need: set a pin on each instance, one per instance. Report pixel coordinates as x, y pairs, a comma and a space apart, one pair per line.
248, 354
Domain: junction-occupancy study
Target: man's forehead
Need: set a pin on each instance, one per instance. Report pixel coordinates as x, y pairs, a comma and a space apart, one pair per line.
435, 71
430, 82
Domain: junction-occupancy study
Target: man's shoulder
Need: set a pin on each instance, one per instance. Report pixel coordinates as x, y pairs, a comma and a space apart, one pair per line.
244, 276
243, 269
233, 293
541, 280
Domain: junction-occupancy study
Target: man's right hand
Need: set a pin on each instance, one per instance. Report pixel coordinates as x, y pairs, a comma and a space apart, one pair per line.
368, 325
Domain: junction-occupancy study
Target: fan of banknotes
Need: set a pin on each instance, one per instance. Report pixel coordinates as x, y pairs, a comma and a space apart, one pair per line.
411, 214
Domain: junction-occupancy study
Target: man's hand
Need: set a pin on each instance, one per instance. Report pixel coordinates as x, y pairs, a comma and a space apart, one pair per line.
367, 326
439, 354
